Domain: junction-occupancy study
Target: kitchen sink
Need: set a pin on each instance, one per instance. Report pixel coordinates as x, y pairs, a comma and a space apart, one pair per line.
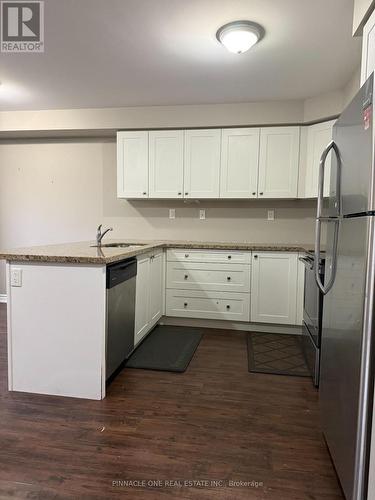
120, 245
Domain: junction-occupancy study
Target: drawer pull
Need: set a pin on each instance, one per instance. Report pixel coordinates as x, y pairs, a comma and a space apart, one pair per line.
185, 304
261, 193
186, 256
254, 193
228, 306
255, 256
229, 256
144, 193
179, 193
228, 278
186, 277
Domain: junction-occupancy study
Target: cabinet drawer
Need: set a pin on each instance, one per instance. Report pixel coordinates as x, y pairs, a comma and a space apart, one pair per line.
208, 305
208, 276
223, 256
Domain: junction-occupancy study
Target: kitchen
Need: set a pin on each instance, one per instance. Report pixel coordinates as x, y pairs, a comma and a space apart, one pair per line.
162, 319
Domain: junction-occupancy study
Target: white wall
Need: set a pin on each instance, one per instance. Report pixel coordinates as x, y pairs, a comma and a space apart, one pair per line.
55, 191
110, 119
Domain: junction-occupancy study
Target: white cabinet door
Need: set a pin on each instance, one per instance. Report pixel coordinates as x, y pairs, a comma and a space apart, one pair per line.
166, 163
239, 163
156, 287
368, 49
278, 162
132, 164
202, 163
142, 298
300, 290
274, 287
318, 137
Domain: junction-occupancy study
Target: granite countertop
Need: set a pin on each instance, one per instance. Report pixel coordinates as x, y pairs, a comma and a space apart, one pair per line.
86, 253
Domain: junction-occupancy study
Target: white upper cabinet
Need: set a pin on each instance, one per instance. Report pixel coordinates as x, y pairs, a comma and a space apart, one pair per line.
318, 137
278, 162
166, 153
274, 288
202, 163
368, 49
239, 163
132, 164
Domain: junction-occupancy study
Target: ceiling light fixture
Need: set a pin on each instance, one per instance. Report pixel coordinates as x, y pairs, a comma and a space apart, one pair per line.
239, 36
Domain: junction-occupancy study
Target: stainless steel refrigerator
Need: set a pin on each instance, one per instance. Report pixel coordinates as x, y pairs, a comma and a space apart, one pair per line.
347, 217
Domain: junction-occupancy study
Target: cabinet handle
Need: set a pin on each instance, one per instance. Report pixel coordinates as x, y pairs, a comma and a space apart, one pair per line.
255, 256
185, 304
228, 306
186, 256
186, 277
179, 194
228, 278
261, 194
144, 193
254, 193
186, 194
229, 257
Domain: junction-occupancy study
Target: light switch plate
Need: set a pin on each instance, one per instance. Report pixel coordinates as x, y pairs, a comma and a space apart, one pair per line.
202, 214
271, 215
172, 213
16, 277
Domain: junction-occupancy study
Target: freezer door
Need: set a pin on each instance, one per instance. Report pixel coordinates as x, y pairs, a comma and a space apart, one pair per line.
353, 135
345, 380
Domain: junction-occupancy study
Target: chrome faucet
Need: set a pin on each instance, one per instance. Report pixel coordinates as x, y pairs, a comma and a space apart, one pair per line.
100, 235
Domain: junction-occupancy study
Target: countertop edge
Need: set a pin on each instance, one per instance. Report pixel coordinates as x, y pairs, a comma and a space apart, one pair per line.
105, 260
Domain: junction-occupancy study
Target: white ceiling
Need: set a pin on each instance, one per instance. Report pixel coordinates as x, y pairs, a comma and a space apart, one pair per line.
109, 53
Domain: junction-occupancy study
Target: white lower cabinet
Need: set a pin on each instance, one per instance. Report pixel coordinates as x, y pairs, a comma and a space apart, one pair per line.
300, 290
156, 287
208, 305
274, 287
208, 284
209, 277
149, 293
261, 287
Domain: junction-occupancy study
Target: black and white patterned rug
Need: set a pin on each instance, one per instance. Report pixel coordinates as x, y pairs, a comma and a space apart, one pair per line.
277, 354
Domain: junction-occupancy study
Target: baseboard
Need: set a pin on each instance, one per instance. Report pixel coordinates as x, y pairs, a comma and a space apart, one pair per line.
231, 325
3, 298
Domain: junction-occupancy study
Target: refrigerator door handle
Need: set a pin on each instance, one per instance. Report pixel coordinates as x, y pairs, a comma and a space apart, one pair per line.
327, 287
331, 146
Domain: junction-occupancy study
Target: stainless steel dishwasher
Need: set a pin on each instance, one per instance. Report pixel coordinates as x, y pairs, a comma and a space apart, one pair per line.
121, 279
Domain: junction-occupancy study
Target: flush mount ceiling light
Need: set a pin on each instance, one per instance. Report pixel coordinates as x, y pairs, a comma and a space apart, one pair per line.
239, 36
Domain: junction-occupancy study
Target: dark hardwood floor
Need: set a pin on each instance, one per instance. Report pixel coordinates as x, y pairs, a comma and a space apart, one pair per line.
216, 421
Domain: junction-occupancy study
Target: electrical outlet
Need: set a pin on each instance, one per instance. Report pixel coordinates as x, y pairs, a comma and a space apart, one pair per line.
16, 277
172, 213
202, 214
271, 215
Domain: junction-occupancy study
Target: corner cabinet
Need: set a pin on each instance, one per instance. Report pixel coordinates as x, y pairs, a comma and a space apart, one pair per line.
149, 300
202, 163
318, 137
132, 164
279, 162
368, 49
274, 286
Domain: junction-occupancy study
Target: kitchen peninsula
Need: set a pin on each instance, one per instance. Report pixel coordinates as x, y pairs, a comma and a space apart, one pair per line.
57, 302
